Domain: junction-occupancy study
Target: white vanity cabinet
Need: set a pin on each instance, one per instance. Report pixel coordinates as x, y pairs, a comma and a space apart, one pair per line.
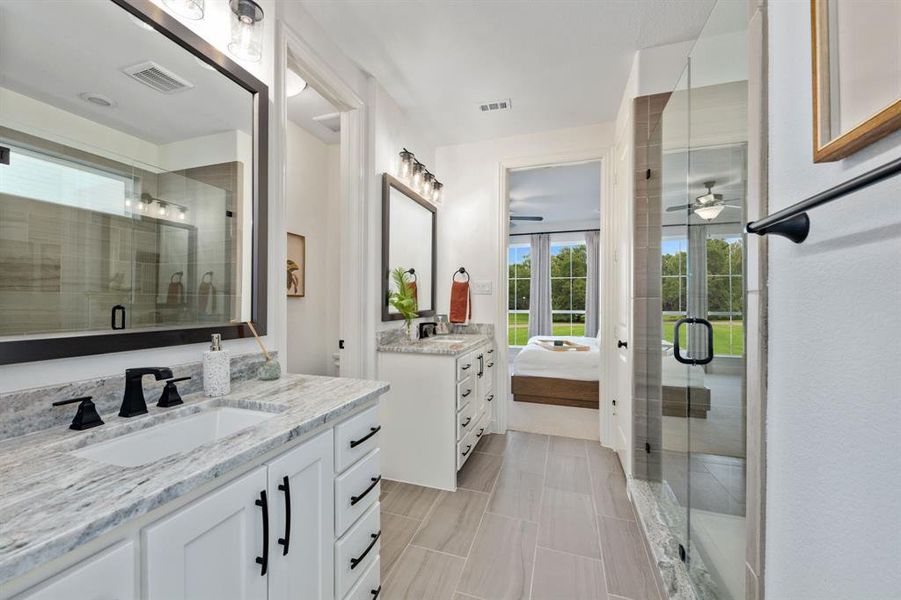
438, 408
108, 575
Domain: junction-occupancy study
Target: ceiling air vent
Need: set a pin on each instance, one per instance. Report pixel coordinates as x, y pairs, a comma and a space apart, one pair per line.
157, 77
495, 105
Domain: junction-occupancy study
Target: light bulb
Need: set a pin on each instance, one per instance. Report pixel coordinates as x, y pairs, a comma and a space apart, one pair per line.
161, 210
246, 30
406, 164
182, 214
427, 180
436, 191
416, 181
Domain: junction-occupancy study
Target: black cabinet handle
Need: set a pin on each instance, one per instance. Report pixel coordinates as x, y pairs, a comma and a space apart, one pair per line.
622, 344
372, 432
481, 431
466, 393
490, 398
263, 561
491, 364
689, 360
466, 366
115, 323
468, 448
481, 358
466, 422
375, 481
355, 561
375, 593
491, 351
285, 486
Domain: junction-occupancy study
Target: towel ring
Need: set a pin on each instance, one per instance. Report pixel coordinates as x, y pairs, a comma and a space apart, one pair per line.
412, 272
461, 271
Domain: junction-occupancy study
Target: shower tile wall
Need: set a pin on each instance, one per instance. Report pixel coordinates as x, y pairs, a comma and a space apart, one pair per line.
647, 326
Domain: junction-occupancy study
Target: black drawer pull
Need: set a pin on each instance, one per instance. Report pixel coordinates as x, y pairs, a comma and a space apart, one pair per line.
466, 393
491, 351
285, 486
466, 366
491, 364
481, 431
466, 422
468, 448
375, 593
355, 561
490, 398
372, 432
263, 561
375, 481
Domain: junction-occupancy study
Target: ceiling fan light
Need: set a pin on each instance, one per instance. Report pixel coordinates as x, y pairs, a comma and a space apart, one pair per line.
708, 213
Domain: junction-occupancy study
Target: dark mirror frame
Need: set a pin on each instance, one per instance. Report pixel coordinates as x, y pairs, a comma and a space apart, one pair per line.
29, 350
388, 182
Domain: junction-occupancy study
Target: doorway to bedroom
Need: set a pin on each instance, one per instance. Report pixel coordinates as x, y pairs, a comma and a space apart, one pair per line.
553, 305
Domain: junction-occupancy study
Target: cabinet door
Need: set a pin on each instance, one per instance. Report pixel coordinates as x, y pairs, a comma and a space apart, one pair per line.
302, 556
109, 575
209, 549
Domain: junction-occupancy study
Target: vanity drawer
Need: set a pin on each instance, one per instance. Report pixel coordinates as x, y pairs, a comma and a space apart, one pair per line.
464, 449
481, 427
466, 419
356, 437
466, 391
356, 490
357, 550
369, 585
466, 366
490, 366
488, 398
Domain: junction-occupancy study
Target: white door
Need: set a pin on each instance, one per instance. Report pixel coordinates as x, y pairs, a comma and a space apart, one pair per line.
108, 575
209, 550
301, 555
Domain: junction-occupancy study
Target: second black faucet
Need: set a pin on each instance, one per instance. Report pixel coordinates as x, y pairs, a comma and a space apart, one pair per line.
133, 402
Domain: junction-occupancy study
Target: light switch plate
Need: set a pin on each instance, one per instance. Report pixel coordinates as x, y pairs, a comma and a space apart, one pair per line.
481, 288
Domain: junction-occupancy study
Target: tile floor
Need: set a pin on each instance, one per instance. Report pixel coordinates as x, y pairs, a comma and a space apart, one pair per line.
534, 516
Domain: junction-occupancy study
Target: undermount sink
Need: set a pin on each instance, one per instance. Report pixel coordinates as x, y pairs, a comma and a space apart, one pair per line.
180, 435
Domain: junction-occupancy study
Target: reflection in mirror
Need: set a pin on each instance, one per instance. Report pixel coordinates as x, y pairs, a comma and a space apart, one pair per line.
130, 179
409, 224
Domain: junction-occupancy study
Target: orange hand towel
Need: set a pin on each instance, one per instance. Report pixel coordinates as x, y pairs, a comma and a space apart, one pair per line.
460, 306
414, 292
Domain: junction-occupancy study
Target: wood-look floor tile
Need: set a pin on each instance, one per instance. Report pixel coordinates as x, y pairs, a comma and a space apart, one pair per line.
386, 487
608, 484
517, 494
500, 563
452, 524
568, 473
526, 451
421, 573
409, 500
479, 472
493, 443
459, 596
561, 575
567, 446
567, 523
626, 563
397, 532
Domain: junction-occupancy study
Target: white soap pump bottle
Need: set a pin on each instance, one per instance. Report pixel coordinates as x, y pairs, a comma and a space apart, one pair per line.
216, 369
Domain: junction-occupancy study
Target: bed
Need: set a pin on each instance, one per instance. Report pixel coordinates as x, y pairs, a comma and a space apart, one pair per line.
677, 378
560, 378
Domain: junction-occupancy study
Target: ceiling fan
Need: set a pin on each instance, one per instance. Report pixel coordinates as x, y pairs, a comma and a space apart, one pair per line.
707, 206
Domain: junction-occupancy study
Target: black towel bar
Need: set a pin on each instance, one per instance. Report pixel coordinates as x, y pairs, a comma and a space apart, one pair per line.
793, 223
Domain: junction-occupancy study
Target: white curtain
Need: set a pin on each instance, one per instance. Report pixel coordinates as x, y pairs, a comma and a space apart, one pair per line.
540, 320
592, 297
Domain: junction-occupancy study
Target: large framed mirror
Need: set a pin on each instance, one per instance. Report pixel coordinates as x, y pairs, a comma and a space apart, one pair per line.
409, 226
132, 184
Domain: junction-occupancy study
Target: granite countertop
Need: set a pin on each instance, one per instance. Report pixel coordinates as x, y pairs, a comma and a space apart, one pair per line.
51, 501
436, 345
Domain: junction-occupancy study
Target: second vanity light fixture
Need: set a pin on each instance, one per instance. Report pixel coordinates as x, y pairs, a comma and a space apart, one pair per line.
414, 174
246, 30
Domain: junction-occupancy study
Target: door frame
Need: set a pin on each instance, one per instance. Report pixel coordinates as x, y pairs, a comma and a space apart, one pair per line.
604, 155
316, 72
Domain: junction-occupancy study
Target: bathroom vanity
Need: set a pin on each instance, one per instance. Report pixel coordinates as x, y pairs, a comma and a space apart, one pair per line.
440, 405
269, 492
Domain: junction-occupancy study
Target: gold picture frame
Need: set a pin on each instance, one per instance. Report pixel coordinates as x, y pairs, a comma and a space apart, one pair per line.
296, 268
826, 30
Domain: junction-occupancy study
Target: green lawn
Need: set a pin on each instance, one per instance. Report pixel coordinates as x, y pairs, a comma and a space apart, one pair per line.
728, 339
518, 329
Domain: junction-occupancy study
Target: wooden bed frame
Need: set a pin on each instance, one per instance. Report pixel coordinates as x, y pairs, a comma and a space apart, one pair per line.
675, 402
559, 392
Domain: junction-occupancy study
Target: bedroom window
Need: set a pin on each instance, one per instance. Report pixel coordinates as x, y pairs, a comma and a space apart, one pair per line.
519, 273
569, 271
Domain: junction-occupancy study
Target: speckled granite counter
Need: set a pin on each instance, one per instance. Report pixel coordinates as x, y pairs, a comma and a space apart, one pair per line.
51, 501
435, 345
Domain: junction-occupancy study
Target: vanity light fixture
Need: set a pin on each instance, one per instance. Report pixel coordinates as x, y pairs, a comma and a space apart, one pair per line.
406, 164
417, 176
246, 30
189, 9
162, 209
417, 173
427, 185
436, 191
182, 213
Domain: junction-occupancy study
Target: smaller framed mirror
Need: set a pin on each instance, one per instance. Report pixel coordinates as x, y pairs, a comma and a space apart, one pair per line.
409, 225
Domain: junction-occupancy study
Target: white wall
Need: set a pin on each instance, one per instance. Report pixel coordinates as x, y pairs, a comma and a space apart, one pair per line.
312, 181
468, 236
833, 519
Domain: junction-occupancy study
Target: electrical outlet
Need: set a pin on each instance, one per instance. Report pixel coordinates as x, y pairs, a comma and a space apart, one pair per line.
481, 288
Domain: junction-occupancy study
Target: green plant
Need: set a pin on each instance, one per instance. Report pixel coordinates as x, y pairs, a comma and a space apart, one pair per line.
403, 298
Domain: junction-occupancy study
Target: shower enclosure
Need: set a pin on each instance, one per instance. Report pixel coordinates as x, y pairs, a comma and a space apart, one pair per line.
689, 362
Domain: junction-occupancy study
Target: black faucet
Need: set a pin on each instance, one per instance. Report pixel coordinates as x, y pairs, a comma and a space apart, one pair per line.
427, 329
133, 402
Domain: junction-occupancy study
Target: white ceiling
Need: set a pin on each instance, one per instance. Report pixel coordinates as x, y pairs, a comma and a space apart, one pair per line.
305, 107
564, 63
54, 51
563, 195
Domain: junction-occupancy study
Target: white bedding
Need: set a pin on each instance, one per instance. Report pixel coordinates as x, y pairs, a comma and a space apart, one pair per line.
535, 361
675, 373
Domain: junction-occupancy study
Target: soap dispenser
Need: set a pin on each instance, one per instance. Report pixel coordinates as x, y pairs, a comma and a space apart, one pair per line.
216, 369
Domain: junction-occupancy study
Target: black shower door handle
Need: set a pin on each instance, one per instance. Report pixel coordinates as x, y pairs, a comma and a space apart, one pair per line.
117, 317
676, 346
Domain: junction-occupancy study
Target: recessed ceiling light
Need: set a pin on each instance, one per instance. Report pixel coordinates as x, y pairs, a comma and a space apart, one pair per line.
98, 99
294, 84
